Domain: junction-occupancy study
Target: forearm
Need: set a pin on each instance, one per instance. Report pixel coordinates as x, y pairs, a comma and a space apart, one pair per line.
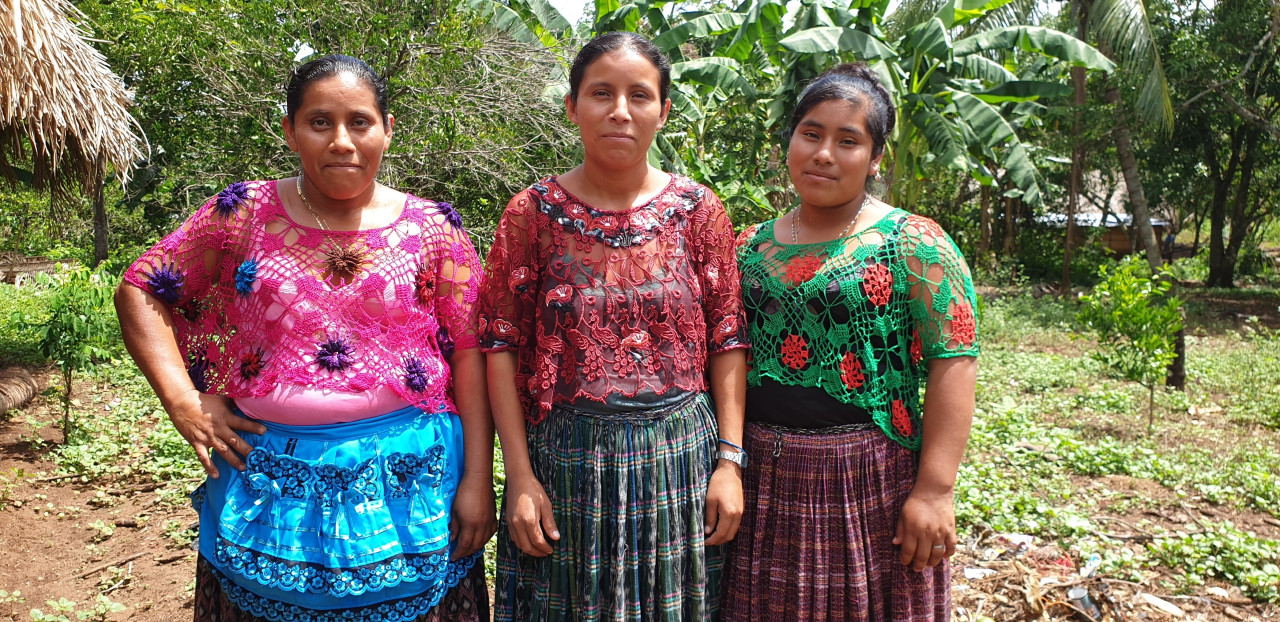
728, 378
472, 399
148, 334
508, 413
948, 416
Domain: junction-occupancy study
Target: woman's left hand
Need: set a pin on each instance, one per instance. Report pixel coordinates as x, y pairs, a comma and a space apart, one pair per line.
475, 515
926, 529
724, 504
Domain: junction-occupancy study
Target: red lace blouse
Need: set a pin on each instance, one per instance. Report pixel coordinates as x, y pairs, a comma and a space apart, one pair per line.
611, 303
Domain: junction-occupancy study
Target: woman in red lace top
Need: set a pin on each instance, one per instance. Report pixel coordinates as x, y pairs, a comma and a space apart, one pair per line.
615, 331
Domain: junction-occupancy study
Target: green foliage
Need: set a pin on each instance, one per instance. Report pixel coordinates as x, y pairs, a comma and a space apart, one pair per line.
102, 607
20, 340
81, 329
1040, 254
1135, 321
1223, 551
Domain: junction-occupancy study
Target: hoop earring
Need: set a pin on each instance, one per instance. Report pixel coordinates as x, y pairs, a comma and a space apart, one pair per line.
879, 177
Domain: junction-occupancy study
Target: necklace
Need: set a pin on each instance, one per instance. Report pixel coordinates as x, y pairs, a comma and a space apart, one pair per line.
307, 203
795, 239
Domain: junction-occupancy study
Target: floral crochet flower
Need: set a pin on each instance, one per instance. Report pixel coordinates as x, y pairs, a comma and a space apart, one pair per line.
425, 282
416, 374
877, 282
166, 283
450, 214
445, 341
801, 269
251, 364
344, 262
851, 371
198, 371
901, 418
231, 198
964, 329
246, 274
917, 348
334, 354
795, 351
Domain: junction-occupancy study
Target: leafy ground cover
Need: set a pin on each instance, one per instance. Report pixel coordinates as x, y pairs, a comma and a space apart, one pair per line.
1061, 476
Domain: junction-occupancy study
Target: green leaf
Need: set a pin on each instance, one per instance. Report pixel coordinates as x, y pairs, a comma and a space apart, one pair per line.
930, 38
838, 39
985, 69
716, 71
503, 19
1023, 90
1059, 45
960, 12
548, 16
945, 144
705, 26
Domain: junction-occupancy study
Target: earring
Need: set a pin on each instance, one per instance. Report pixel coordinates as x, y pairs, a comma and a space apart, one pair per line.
879, 177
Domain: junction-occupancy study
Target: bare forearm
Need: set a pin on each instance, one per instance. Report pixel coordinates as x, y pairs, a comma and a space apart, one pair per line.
728, 377
472, 399
508, 413
148, 334
948, 416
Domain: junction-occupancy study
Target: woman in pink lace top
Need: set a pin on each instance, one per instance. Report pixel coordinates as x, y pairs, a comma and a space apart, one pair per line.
314, 339
612, 316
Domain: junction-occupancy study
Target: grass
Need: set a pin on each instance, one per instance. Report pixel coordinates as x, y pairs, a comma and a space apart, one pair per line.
1052, 433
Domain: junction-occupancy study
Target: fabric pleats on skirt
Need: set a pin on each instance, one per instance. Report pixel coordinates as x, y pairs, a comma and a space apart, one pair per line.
629, 497
816, 541
468, 601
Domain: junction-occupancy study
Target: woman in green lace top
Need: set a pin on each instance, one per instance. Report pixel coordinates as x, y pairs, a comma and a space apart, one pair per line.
853, 306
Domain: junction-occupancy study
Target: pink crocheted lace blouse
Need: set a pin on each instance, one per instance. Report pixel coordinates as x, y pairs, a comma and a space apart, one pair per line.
259, 301
611, 303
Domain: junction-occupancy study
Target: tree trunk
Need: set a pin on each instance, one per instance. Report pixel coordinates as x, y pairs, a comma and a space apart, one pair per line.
17, 387
1009, 220
984, 233
1240, 207
1133, 182
99, 214
1221, 274
1078, 85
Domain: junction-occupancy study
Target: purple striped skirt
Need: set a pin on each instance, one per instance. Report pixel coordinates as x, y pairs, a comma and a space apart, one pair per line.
816, 541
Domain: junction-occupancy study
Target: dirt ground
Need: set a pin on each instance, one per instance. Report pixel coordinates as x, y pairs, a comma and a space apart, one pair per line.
54, 547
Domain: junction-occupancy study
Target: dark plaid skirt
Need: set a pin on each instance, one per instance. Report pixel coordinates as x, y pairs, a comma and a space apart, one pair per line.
468, 601
816, 541
629, 497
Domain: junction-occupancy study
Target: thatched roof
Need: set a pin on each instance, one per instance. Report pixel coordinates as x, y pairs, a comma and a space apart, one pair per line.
62, 110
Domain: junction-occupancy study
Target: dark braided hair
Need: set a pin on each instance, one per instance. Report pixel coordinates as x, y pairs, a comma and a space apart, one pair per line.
326, 67
612, 41
859, 85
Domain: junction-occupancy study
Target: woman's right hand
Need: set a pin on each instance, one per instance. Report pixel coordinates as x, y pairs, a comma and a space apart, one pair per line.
529, 519
206, 422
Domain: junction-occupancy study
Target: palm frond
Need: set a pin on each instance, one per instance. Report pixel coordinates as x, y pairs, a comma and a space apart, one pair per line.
1123, 27
1028, 12
908, 15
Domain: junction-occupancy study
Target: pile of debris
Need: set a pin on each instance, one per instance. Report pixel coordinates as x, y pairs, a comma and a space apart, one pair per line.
16, 267
1000, 577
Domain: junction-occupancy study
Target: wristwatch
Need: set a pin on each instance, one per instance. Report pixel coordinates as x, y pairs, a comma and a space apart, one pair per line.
737, 457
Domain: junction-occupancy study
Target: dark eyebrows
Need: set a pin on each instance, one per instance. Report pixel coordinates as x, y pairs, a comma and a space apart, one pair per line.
605, 83
848, 129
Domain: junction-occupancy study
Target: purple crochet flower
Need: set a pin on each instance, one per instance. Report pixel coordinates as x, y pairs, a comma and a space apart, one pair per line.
166, 283
450, 214
246, 274
230, 199
334, 354
415, 374
199, 372
445, 341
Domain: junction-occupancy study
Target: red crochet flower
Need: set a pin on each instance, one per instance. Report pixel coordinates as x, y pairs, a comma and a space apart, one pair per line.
917, 349
901, 418
877, 282
801, 269
795, 351
963, 327
426, 285
851, 371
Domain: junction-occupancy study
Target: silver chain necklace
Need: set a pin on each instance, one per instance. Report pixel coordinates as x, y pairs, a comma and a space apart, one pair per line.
795, 239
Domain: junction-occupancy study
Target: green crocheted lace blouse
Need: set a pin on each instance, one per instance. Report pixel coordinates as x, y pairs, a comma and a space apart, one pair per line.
859, 316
